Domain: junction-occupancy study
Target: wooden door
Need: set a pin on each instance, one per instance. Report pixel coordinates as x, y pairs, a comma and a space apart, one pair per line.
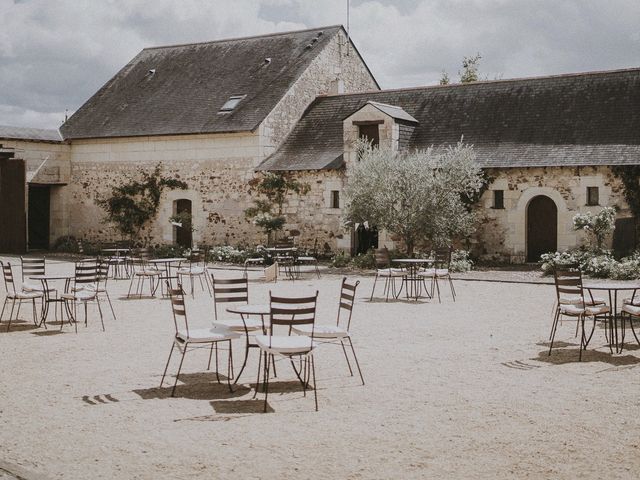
13, 215
39, 217
542, 227
183, 234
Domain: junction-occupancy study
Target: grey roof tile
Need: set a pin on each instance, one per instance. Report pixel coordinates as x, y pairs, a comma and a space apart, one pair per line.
578, 119
180, 89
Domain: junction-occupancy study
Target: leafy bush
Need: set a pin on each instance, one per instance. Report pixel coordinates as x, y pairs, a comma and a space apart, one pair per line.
595, 264
169, 251
66, 244
229, 254
340, 260
366, 261
460, 261
598, 226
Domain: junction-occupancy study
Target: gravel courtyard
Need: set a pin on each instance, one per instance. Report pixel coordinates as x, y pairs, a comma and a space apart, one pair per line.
453, 390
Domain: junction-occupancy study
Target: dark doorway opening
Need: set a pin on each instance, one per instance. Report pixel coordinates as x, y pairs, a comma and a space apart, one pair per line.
13, 215
39, 216
364, 239
184, 234
542, 227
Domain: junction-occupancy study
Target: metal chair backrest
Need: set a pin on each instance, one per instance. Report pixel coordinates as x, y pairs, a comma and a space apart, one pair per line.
102, 272
568, 282
178, 308
292, 311
347, 298
442, 257
229, 290
196, 257
7, 274
86, 273
382, 257
32, 266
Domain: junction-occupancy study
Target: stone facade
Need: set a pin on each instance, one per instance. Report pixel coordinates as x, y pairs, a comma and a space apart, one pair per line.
502, 233
217, 167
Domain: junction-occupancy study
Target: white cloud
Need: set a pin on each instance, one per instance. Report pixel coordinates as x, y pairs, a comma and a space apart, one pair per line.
55, 55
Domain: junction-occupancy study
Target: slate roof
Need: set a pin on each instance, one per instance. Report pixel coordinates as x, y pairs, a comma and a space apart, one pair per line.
36, 134
180, 89
576, 119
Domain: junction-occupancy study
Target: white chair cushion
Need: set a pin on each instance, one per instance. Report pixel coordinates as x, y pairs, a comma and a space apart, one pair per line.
442, 272
631, 309
636, 300
285, 344
203, 335
79, 295
577, 300
307, 259
321, 331
236, 324
391, 272
24, 295
589, 310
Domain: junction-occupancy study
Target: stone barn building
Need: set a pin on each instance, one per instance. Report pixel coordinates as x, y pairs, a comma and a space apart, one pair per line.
216, 114
547, 144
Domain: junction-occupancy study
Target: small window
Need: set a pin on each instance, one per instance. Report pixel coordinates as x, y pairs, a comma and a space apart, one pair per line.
371, 133
335, 199
498, 199
232, 103
593, 196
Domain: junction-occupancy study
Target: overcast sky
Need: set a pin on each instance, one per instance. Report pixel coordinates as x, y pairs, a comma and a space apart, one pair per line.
55, 54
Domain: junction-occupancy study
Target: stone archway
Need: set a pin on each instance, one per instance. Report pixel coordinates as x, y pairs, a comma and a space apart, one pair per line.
542, 227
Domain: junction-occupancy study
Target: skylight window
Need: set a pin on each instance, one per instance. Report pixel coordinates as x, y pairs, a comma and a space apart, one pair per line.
232, 103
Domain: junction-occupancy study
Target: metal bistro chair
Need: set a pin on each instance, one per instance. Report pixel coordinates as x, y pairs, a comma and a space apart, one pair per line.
188, 338
100, 287
311, 258
440, 271
338, 333
384, 270
141, 271
571, 303
33, 266
197, 268
84, 290
289, 313
16, 295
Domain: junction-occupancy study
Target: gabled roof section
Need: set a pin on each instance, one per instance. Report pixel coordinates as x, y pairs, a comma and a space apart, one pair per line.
180, 89
577, 119
34, 134
393, 111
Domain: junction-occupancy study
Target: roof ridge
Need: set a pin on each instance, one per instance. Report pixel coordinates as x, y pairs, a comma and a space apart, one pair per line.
482, 82
250, 37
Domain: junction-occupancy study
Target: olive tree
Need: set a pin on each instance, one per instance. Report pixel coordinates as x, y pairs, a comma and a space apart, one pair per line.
417, 195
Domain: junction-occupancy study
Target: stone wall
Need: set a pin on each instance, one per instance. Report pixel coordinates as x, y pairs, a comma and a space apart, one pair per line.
217, 167
502, 232
337, 69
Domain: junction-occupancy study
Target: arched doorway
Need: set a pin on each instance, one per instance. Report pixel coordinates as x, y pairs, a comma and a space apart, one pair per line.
183, 235
542, 227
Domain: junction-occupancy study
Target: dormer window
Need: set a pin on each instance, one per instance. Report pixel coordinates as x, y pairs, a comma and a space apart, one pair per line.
232, 103
370, 132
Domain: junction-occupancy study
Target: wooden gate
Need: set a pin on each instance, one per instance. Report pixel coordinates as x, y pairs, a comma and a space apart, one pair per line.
13, 215
542, 227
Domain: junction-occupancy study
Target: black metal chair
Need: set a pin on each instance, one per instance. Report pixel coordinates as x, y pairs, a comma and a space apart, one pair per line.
383, 270
571, 303
339, 333
288, 313
16, 295
189, 338
440, 271
84, 291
